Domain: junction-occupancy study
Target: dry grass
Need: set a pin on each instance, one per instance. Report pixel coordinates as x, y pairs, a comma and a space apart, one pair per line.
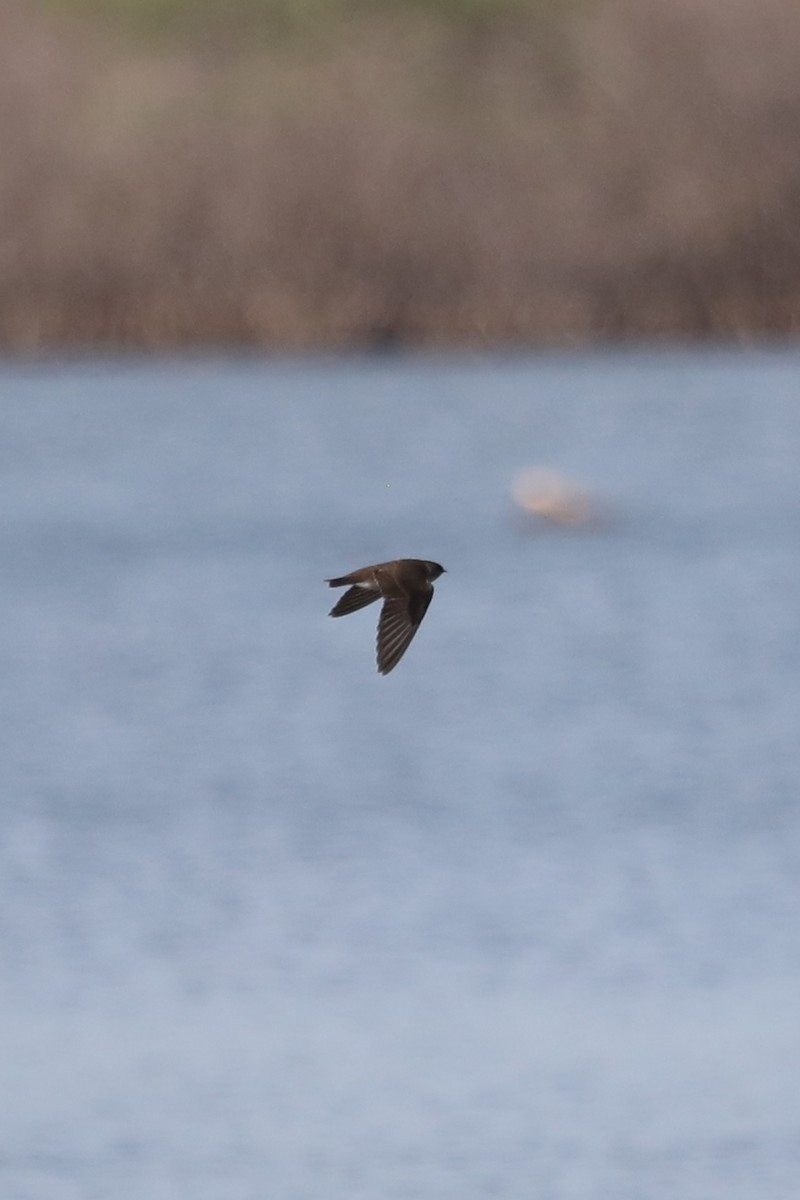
632, 170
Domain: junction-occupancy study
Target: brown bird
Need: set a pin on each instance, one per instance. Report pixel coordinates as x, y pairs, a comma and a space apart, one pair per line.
406, 588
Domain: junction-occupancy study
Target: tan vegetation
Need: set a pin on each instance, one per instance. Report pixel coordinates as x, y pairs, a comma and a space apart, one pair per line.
617, 168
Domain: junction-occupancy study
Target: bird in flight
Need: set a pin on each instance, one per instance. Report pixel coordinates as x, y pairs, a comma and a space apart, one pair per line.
406, 588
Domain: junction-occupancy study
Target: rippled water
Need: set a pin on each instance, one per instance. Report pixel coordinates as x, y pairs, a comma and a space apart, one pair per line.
520, 919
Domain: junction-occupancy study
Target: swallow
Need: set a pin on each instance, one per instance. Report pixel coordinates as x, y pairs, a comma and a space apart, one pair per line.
406, 588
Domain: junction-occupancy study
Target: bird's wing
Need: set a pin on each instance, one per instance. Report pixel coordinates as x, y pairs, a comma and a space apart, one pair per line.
400, 619
354, 598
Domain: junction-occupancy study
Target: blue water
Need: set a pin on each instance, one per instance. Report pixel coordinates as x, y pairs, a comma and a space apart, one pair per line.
521, 919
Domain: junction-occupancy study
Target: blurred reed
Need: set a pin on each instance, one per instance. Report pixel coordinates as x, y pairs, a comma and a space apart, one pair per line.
532, 174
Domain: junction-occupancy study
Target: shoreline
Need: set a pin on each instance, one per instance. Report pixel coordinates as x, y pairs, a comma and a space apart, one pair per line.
408, 183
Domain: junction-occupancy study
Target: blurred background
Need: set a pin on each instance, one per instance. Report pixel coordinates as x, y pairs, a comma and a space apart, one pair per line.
305, 173
289, 288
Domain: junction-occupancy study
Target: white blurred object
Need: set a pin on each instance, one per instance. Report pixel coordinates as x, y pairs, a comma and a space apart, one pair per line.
544, 493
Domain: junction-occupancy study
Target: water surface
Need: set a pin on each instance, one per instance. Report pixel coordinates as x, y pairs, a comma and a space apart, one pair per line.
520, 919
